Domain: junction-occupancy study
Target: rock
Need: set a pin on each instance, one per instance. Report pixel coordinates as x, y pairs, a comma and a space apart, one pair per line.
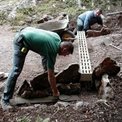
67, 83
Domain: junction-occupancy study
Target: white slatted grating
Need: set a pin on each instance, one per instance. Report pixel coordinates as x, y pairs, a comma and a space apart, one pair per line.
84, 59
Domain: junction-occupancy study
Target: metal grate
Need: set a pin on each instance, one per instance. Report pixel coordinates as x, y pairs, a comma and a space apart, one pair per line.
84, 59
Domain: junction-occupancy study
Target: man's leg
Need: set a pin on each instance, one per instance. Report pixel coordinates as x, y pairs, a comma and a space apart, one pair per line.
18, 62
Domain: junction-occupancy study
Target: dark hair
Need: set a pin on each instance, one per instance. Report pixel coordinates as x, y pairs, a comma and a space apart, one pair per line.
69, 45
100, 10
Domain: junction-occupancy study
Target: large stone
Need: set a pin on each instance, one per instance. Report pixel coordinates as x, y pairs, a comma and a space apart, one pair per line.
69, 75
67, 83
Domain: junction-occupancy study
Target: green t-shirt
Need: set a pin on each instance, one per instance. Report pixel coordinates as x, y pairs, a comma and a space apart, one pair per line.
45, 43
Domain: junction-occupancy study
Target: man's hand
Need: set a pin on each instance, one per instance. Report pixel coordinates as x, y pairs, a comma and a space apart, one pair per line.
52, 80
56, 93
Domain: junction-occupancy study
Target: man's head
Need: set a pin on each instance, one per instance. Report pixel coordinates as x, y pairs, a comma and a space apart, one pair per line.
66, 48
98, 12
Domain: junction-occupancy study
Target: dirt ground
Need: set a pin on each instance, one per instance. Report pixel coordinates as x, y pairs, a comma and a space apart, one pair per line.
90, 110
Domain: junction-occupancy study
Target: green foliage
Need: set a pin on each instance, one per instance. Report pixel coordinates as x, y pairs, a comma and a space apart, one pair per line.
70, 3
54, 7
18, 19
73, 12
23, 119
37, 119
27, 11
3, 17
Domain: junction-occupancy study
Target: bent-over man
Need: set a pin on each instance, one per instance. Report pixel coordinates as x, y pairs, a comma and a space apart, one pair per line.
88, 18
47, 44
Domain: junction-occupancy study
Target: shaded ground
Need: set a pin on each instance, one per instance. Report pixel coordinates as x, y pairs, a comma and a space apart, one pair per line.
90, 109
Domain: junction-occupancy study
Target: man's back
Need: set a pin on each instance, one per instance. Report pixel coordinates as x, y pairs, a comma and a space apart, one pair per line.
86, 14
40, 40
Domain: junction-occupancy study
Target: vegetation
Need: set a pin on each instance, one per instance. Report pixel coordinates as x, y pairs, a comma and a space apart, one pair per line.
37, 119
54, 7
2, 17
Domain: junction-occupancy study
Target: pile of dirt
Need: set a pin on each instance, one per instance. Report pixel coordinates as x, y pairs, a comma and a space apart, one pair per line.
114, 21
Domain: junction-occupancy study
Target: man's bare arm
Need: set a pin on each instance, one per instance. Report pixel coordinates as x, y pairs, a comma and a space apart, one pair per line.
52, 80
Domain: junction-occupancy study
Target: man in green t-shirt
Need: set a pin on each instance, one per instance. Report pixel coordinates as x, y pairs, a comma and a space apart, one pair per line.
47, 44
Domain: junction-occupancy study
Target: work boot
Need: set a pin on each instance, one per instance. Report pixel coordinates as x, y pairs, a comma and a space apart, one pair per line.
5, 105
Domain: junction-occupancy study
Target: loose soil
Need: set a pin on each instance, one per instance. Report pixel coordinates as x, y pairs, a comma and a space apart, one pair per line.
90, 110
